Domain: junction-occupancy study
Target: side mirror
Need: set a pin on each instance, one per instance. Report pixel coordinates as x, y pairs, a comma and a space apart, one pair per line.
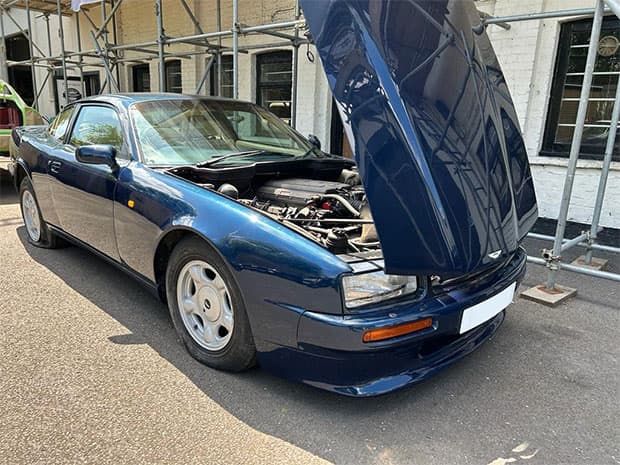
314, 140
96, 155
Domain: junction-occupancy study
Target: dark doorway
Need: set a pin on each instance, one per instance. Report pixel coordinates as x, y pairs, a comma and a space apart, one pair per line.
141, 78
92, 83
20, 77
338, 141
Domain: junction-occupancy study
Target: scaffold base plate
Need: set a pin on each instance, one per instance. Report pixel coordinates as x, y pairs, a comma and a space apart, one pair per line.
595, 263
551, 298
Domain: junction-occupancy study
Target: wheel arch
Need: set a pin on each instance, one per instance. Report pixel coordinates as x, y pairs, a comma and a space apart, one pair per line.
20, 173
166, 245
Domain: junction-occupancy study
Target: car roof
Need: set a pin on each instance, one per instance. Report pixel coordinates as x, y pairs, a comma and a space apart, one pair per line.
126, 99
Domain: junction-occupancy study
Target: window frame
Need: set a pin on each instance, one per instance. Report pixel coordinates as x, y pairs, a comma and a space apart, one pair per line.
549, 148
213, 77
124, 153
168, 64
260, 85
62, 139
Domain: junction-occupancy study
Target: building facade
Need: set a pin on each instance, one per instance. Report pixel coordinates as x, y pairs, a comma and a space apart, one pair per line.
543, 62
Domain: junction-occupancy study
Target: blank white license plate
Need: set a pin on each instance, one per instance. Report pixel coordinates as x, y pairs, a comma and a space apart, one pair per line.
484, 311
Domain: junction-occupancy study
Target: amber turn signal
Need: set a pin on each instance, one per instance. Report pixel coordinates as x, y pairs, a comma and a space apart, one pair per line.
380, 334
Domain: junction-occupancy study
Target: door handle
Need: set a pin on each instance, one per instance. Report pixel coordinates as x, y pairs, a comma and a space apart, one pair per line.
55, 166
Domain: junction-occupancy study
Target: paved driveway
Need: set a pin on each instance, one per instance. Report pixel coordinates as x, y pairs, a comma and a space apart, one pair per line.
91, 372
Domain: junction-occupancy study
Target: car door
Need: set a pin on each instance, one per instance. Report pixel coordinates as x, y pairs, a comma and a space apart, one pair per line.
40, 157
84, 193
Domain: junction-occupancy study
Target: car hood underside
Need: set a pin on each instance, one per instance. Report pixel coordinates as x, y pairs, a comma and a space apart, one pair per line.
434, 131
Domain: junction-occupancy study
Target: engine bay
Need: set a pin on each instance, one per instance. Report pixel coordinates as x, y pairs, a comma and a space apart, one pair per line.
323, 200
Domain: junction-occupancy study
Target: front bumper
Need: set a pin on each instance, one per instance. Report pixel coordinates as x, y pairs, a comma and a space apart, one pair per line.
331, 355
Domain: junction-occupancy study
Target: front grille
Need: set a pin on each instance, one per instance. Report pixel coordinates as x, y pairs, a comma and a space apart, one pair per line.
439, 286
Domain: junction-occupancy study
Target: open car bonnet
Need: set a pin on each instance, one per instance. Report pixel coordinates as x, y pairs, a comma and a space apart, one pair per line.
433, 128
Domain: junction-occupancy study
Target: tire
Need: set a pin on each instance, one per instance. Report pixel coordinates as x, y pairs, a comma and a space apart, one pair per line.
39, 234
207, 309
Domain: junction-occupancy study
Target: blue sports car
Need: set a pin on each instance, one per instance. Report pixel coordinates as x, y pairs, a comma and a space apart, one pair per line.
360, 277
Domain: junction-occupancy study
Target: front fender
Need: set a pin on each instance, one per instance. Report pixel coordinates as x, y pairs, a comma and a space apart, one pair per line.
280, 273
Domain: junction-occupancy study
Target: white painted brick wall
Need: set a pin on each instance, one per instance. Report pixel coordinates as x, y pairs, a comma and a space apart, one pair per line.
527, 54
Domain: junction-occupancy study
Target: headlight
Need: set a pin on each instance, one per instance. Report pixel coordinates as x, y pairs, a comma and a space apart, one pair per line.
367, 288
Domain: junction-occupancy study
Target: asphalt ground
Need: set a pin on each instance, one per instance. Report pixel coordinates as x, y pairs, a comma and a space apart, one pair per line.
91, 371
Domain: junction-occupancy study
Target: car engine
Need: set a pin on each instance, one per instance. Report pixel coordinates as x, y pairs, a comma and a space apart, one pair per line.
333, 213
330, 210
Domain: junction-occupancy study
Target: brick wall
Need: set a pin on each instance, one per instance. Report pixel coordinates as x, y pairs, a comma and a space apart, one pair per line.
527, 54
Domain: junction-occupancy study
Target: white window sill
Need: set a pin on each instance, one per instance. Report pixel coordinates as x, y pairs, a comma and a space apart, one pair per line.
560, 161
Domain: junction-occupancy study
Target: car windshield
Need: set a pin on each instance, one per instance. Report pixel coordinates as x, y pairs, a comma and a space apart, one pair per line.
190, 131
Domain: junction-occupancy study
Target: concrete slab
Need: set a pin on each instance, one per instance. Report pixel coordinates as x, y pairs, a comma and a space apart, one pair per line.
104, 379
595, 264
548, 297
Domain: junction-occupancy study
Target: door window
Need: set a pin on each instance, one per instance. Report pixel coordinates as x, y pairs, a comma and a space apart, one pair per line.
59, 127
97, 125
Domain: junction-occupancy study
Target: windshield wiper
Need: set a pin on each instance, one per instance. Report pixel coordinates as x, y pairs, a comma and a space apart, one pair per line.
215, 160
315, 153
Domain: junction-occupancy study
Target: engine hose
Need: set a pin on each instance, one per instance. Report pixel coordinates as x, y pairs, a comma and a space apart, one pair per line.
353, 246
365, 244
344, 202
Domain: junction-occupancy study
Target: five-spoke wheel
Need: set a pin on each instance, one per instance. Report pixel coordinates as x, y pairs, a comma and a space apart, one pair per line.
38, 232
31, 216
206, 306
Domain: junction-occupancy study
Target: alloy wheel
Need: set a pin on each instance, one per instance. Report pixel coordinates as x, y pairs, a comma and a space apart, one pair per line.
31, 216
205, 305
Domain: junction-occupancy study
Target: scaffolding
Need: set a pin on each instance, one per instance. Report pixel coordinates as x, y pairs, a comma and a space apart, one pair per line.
552, 258
108, 55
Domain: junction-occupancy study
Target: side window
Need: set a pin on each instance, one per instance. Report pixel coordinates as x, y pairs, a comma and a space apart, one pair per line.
58, 128
97, 125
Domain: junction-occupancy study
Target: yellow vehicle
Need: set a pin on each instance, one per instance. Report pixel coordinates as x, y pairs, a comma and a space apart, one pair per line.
13, 113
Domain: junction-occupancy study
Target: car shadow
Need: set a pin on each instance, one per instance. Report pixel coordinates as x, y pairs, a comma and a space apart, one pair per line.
291, 411
8, 195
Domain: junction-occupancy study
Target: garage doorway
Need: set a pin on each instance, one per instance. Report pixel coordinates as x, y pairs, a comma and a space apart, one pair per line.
338, 141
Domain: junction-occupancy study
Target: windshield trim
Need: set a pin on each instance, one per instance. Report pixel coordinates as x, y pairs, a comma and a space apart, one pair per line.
138, 145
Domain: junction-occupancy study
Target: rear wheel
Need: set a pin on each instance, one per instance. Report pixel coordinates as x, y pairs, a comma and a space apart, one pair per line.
38, 232
207, 309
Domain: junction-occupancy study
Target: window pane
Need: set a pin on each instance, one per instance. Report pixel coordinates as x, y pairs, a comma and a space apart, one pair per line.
275, 73
599, 112
174, 81
97, 125
603, 86
227, 77
594, 136
277, 100
572, 57
182, 131
274, 81
58, 129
